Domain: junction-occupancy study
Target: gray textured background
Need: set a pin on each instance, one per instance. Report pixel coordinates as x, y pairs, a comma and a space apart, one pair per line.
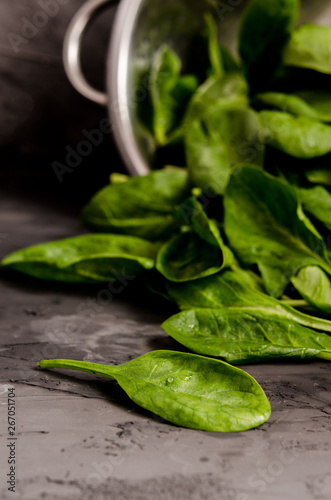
41, 113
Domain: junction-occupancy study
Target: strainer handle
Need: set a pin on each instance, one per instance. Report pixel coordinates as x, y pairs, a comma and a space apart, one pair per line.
72, 49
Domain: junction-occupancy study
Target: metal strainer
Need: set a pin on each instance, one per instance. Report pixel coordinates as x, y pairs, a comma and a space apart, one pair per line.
140, 28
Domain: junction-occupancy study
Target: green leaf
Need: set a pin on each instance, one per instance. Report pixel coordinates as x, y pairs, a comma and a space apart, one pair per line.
297, 136
187, 390
232, 86
91, 258
312, 104
309, 47
215, 55
314, 286
206, 56
142, 206
246, 336
265, 225
236, 288
319, 176
170, 93
195, 252
228, 133
317, 202
266, 28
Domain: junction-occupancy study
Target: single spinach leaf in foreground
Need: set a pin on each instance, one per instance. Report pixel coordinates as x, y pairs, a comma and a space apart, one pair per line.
266, 226
246, 335
266, 28
236, 288
315, 105
91, 258
317, 202
142, 206
170, 93
314, 286
297, 136
227, 134
309, 47
197, 251
187, 390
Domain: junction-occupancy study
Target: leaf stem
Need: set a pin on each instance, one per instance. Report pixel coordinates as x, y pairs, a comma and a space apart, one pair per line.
295, 303
82, 366
310, 321
325, 355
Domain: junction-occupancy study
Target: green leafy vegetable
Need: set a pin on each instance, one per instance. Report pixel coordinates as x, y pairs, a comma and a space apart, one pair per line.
142, 206
317, 202
238, 289
214, 49
197, 251
266, 28
309, 47
297, 136
315, 287
187, 390
246, 336
227, 134
194, 227
170, 93
231, 287
313, 104
319, 176
231, 87
91, 258
265, 225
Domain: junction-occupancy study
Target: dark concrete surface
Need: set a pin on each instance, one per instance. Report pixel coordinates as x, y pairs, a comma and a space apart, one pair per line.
80, 437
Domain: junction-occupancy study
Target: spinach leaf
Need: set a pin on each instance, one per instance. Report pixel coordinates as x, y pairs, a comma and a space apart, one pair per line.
170, 93
246, 336
228, 133
91, 258
319, 176
309, 47
314, 286
238, 289
232, 86
231, 287
206, 56
197, 251
215, 55
315, 105
185, 389
142, 206
221, 60
266, 28
297, 136
317, 202
265, 225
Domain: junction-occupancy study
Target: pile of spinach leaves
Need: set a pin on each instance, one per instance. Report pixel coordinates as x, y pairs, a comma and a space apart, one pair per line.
238, 237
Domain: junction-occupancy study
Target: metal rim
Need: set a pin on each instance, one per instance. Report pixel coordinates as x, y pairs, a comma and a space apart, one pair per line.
117, 73
117, 98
